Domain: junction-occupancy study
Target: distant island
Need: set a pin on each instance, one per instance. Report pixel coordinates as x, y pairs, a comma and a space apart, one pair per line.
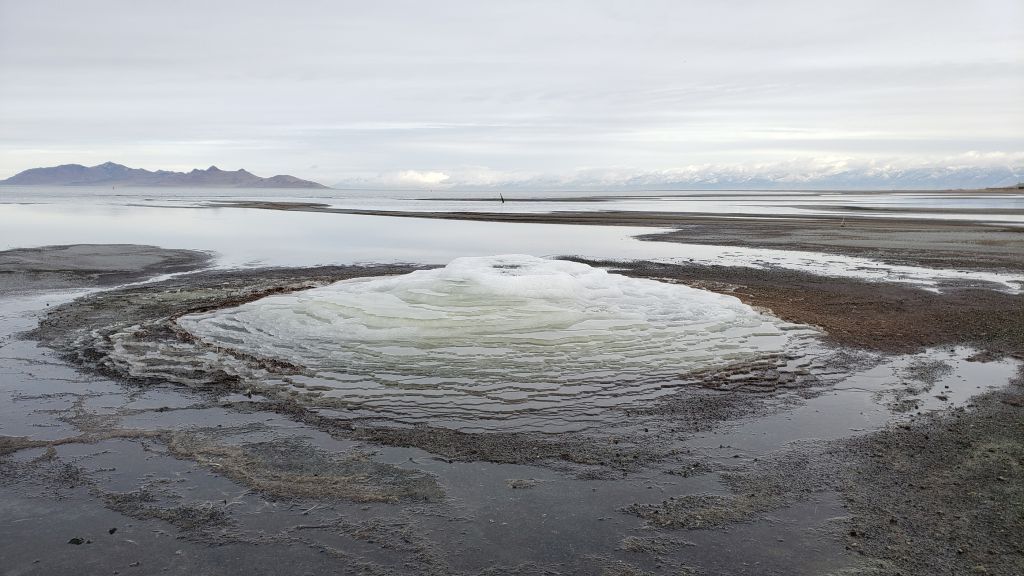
111, 174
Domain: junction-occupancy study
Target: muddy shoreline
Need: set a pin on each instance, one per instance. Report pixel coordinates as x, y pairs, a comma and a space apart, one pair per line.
90, 265
881, 492
919, 242
867, 315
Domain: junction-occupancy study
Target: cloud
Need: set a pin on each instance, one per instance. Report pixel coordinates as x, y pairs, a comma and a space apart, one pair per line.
418, 178
968, 170
367, 90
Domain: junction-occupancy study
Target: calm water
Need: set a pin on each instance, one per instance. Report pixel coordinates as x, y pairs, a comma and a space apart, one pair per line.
996, 207
243, 237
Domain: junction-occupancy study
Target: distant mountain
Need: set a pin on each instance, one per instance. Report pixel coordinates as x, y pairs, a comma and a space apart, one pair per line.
111, 174
931, 178
797, 178
797, 175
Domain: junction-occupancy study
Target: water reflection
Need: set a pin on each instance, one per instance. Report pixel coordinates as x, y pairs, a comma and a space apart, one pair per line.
251, 237
1005, 207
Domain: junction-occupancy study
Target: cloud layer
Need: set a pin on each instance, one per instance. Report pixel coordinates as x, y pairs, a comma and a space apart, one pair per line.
487, 94
966, 171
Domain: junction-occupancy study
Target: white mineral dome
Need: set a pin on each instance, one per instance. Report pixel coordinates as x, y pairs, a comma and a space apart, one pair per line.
516, 339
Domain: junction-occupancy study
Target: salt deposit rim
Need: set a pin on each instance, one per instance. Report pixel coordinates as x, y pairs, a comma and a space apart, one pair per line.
515, 338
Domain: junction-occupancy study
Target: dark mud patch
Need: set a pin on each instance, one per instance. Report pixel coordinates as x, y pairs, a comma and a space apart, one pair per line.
521, 448
283, 468
654, 545
917, 378
783, 479
395, 539
84, 265
46, 474
521, 483
143, 504
943, 494
172, 525
12, 444
294, 468
885, 317
940, 493
927, 372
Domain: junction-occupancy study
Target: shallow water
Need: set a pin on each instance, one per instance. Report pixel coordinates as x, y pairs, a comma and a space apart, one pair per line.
1001, 207
868, 399
251, 237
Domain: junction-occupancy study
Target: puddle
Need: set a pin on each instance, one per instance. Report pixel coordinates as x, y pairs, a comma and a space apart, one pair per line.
866, 401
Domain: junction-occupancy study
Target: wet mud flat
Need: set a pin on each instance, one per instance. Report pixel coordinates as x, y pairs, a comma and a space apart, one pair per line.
934, 243
852, 456
876, 316
84, 265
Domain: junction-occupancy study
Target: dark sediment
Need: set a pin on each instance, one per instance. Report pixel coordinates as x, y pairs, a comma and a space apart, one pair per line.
932, 494
876, 316
292, 468
84, 265
785, 478
943, 494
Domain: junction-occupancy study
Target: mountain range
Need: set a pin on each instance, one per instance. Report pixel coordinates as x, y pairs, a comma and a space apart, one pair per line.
860, 178
111, 174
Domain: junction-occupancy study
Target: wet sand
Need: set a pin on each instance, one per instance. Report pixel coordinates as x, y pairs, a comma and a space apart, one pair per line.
854, 457
86, 265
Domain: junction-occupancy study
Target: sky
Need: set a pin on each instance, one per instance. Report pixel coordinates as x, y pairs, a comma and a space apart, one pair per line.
477, 93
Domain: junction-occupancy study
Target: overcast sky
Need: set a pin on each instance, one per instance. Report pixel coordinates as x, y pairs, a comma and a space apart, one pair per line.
474, 92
